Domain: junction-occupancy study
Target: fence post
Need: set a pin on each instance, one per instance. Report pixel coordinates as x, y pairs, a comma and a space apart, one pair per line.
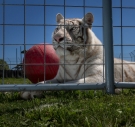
108, 45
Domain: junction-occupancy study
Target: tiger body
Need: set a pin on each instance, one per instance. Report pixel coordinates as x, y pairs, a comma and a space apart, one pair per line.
128, 69
81, 55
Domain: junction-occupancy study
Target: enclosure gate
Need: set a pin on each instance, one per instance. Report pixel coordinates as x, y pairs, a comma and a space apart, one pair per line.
109, 84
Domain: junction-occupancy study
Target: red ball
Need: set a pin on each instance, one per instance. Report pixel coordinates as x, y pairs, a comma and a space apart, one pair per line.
41, 63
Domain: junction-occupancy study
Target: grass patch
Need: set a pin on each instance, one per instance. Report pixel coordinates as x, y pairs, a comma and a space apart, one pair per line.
15, 81
69, 109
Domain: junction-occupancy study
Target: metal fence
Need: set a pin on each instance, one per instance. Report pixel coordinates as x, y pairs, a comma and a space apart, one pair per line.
106, 7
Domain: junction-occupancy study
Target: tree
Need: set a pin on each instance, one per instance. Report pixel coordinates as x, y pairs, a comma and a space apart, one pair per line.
2, 62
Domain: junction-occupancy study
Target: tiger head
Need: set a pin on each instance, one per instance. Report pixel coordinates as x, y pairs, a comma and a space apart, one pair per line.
71, 35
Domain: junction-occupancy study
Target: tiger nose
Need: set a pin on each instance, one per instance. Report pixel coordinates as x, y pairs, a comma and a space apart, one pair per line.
58, 39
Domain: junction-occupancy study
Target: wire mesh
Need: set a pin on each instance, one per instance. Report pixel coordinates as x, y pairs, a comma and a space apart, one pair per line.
26, 23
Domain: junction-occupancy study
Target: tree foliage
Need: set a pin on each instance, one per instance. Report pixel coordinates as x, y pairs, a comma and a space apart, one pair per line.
3, 64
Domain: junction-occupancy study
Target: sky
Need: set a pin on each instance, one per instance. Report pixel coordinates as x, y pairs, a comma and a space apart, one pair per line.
12, 34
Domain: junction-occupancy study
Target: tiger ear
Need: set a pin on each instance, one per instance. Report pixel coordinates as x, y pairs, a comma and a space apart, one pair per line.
59, 17
88, 18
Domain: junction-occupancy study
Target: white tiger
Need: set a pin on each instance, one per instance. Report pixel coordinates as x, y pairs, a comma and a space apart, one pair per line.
81, 55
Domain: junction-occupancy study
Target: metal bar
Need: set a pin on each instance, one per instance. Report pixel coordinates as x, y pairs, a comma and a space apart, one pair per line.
24, 64
134, 56
108, 41
1, 24
52, 87
47, 87
52, 5
78, 44
3, 41
84, 33
121, 29
128, 85
64, 41
48, 25
77, 64
44, 40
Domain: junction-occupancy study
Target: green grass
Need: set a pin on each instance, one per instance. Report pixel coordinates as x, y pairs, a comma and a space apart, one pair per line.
69, 109
15, 81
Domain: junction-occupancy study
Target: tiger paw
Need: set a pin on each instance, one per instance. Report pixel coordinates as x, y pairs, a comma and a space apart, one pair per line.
27, 95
